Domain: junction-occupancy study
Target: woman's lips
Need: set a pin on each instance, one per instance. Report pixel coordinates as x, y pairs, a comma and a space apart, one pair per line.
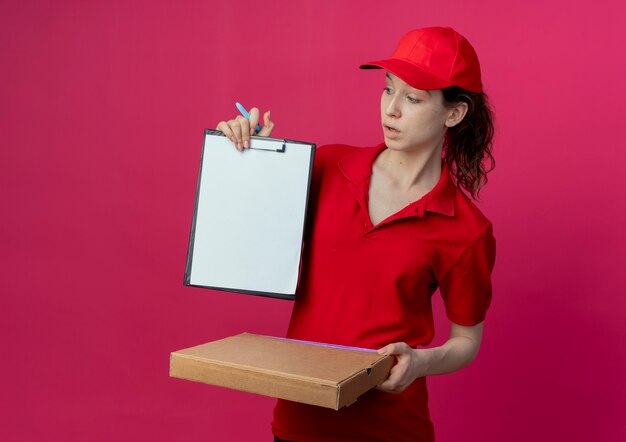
390, 132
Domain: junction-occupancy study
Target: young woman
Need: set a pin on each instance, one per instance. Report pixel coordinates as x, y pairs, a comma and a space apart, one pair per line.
388, 226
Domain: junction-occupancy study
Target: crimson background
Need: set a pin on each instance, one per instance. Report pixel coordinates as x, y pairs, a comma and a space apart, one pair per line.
102, 111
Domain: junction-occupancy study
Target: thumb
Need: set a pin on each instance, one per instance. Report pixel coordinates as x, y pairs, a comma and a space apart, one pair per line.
384, 350
268, 125
254, 119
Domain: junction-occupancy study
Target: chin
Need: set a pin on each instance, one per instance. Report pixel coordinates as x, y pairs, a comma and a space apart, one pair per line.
395, 145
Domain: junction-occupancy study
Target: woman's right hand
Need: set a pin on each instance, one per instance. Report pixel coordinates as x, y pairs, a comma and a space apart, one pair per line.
239, 129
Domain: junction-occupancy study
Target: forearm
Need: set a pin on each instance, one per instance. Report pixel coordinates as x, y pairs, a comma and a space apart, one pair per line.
455, 354
412, 363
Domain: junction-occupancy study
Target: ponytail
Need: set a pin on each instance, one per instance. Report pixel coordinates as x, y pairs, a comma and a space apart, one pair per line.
467, 147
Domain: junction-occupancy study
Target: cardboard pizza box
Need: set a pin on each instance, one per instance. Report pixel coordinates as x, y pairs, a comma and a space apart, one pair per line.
311, 373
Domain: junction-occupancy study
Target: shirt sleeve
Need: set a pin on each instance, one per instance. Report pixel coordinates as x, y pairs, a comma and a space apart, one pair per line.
466, 287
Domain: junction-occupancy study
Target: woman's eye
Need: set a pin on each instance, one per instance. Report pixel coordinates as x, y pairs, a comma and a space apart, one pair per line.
413, 99
388, 90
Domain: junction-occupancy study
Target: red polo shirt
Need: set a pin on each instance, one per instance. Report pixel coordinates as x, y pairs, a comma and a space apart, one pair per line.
370, 285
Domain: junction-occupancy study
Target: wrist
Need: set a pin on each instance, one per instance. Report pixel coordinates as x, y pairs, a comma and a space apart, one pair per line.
433, 356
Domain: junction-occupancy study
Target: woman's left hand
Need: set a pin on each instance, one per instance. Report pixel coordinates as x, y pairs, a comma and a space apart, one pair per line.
458, 351
411, 364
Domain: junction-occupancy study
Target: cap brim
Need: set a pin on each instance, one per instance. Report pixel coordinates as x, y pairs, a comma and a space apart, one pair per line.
409, 73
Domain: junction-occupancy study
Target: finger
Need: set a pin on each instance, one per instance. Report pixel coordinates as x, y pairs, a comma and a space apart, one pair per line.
268, 125
390, 386
245, 131
394, 349
223, 127
384, 350
386, 386
235, 127
254, 120
396, 381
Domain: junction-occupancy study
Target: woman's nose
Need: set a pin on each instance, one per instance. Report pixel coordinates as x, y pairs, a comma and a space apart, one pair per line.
392, 109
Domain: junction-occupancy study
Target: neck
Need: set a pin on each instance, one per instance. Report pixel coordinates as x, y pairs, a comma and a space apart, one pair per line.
412, 169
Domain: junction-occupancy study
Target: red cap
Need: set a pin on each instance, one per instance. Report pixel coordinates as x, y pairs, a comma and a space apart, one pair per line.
433, 58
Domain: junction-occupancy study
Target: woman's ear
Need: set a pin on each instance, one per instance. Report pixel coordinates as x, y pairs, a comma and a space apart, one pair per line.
456, 115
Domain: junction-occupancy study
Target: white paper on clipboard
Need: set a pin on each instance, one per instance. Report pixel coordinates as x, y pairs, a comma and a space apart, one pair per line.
249, 216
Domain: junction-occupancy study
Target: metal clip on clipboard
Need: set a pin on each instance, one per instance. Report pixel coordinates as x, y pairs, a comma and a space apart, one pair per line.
265, 143
258, 143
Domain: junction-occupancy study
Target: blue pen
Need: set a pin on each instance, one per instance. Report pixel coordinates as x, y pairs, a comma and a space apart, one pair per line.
245, 113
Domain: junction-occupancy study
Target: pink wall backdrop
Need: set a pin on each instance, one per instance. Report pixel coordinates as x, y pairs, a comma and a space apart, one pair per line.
102, 111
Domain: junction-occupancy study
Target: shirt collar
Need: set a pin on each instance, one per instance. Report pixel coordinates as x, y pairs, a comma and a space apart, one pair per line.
357, 167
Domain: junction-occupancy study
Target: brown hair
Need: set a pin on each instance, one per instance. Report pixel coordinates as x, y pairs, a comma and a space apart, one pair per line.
467, 148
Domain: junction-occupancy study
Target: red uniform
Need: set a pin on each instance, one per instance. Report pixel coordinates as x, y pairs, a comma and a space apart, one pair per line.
370, 285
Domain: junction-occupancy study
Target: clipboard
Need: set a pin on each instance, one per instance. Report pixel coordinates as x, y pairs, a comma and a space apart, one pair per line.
249, 216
